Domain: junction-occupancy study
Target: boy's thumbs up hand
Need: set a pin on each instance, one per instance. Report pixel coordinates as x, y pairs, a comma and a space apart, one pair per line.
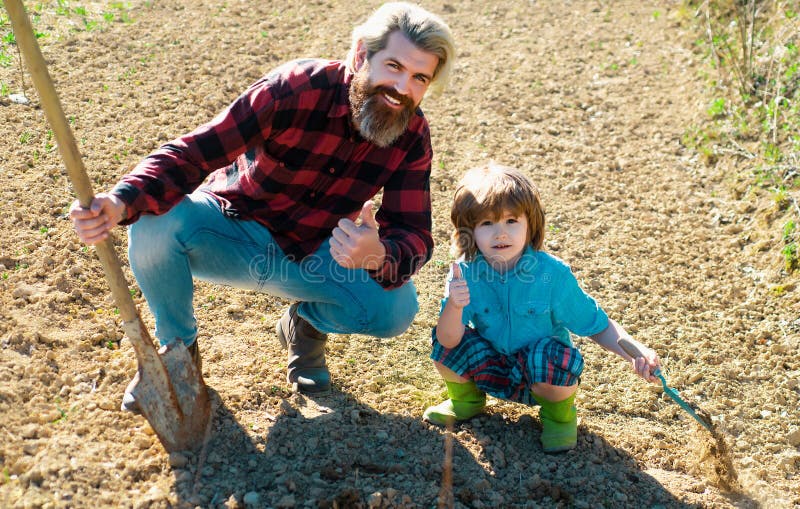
358, 246
457, 289
457, 271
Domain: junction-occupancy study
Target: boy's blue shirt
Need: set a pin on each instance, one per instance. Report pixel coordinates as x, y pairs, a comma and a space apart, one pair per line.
539, 297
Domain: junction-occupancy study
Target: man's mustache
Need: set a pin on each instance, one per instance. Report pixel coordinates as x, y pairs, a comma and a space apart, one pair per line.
404, 99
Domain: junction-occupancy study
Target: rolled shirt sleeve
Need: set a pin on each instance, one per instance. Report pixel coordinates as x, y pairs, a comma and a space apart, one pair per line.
576, 310
405, 219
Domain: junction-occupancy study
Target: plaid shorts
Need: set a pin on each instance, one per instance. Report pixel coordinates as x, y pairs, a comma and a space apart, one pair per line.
510, 377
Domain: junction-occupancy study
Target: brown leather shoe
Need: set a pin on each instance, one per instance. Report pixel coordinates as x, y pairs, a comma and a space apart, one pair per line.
129, 403
306, 346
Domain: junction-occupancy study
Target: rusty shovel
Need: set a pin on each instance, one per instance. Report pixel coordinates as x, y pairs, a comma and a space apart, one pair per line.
171, 393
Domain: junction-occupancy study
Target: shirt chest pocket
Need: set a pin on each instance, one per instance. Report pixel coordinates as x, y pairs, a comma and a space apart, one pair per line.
284, 182
488, 322
532, 319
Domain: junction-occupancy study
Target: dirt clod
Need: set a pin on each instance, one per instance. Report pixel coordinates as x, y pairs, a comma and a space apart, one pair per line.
715, 451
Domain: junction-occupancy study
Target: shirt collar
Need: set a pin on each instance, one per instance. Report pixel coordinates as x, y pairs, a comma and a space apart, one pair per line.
341, 103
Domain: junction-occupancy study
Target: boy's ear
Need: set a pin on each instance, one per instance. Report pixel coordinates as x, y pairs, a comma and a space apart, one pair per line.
361, 55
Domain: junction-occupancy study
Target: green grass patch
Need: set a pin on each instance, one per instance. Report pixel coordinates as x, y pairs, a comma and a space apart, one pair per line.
752, 50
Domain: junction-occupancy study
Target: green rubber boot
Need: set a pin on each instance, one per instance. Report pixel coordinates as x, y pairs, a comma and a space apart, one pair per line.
466, 401
559, 424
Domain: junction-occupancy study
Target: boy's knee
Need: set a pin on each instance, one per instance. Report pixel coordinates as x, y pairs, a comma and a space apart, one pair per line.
553, 392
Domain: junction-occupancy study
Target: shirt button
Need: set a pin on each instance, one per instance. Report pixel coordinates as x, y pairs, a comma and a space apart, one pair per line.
313, 194
281, 164
332, 170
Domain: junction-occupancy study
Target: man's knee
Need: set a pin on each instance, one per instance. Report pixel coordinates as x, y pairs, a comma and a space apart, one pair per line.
153, 237
394, 318
149, 239
146, 228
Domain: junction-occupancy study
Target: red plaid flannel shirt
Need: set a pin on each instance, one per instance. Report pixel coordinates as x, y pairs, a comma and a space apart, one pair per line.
286, 155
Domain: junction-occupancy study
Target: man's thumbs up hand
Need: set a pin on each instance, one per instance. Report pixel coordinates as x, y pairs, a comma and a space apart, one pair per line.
367, 216
358, 246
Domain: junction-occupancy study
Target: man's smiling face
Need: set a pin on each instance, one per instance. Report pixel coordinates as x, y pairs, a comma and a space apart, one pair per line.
388, 87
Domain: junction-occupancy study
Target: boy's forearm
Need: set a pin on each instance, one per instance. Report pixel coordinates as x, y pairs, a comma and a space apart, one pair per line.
646, 361
608, 338
450, 329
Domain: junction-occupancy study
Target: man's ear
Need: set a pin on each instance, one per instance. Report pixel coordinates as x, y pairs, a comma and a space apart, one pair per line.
361, 55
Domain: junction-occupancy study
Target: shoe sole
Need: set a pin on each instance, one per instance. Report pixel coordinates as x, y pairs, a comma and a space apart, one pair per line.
311, 389
556, 450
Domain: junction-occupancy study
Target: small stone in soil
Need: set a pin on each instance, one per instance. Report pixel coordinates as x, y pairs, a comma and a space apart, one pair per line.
287, 502
19, 99
177, 460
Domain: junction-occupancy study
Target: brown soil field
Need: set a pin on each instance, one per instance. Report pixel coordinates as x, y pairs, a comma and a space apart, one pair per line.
590, 99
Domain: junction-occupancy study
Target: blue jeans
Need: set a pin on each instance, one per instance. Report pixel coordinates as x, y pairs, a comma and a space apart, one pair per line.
196, 240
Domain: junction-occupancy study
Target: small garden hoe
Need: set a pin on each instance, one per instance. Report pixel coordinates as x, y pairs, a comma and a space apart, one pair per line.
631, 350
722, 463
171, 393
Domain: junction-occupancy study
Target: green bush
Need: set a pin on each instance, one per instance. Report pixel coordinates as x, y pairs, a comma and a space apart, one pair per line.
755, 113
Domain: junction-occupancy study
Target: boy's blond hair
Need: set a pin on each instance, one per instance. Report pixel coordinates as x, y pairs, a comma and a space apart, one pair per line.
427, 31
488, 191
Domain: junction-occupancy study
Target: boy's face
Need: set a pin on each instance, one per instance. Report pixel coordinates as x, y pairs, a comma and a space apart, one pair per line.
502, 241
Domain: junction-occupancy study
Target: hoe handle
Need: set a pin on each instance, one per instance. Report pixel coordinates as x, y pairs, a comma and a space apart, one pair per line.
632, 350
69, 150
629, 347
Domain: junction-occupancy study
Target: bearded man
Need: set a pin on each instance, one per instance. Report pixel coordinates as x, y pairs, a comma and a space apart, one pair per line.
275, 195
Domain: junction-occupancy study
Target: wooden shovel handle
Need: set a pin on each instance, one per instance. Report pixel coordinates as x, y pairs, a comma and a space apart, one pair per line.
178, 412
69, 151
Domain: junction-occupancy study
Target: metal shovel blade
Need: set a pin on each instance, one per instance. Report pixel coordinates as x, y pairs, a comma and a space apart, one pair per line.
633, 351
171, 393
